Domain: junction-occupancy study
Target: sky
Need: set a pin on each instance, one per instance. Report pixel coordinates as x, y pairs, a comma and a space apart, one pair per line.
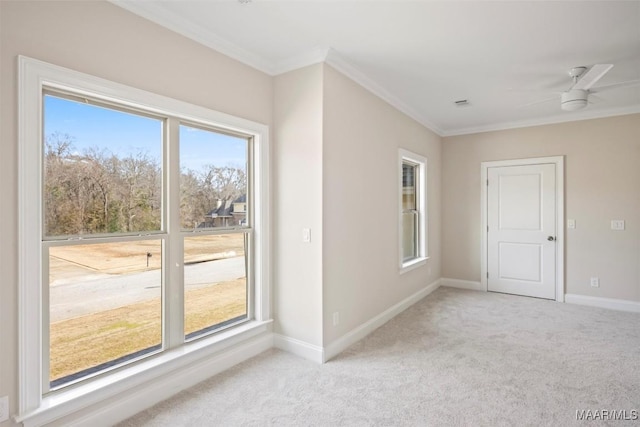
127, 134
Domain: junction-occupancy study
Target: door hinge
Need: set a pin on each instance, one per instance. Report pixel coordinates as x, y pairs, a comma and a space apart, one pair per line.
487, 274
487, 183
487, 228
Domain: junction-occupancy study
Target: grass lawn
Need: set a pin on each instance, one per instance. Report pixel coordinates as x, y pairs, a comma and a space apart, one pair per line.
87, 341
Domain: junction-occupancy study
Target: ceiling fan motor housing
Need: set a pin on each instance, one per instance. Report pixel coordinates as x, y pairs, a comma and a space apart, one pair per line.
574, 99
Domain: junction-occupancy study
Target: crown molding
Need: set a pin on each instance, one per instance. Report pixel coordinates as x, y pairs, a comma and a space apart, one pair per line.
341, 64
315, 56
570, 117
156, 12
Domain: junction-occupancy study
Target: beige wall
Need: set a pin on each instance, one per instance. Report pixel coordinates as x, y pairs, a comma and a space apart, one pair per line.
362, 135
297, 204
336, 172
104, 40
602, 182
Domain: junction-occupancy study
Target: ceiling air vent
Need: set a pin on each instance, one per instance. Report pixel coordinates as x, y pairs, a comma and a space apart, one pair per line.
462, 103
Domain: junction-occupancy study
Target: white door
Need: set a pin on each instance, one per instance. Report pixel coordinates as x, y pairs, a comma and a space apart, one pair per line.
521, 236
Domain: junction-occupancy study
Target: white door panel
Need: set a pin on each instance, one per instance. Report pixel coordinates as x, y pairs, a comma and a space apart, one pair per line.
519, 200
520, 261
521, 216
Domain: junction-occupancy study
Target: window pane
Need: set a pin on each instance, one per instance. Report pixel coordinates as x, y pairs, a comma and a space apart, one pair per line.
410, 214
215, 276
213, 182
102, 169
409, 230
408, 186
104, 306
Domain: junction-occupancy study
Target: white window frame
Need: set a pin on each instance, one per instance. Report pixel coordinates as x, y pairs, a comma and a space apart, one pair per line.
34, 407
406, 156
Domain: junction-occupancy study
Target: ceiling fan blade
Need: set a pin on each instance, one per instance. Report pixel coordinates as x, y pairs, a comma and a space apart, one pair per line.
615, 86
542, 101
592, 76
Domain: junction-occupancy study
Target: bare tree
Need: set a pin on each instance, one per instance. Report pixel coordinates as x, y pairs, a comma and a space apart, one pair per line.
228, 181
191, 212
201, 191
140, 192
101, 192
59, 213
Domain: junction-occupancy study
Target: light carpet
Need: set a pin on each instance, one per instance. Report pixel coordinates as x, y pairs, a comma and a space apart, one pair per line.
456, 358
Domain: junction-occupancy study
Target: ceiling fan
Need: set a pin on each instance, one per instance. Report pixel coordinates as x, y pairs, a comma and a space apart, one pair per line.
577, 96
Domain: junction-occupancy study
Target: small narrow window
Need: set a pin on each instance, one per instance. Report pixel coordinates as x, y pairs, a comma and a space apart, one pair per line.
413, 230
410, 223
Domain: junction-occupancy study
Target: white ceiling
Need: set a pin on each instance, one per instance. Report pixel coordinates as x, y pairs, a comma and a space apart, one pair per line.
421, 56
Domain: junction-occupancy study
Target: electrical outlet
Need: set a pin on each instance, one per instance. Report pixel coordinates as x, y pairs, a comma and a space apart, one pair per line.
595, 282
336, 318
4, 408
617, 224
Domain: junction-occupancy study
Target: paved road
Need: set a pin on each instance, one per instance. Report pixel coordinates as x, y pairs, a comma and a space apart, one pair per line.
90, 294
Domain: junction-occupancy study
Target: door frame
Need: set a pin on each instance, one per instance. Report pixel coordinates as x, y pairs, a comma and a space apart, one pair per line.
558, 161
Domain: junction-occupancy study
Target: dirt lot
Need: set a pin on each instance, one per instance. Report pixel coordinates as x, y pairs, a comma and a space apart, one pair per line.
67, 262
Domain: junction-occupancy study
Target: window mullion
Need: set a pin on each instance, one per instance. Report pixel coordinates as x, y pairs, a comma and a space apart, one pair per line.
173, 265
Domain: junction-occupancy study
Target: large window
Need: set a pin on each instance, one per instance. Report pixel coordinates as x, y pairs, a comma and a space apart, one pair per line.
143, 229
413, 225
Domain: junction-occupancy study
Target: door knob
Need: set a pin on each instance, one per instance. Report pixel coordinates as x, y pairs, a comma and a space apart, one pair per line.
551, 238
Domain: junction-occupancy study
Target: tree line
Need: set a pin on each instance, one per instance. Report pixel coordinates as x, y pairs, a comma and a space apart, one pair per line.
96, 191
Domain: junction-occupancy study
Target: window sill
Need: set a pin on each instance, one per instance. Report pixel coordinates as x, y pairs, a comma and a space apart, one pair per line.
65, 402
413, 264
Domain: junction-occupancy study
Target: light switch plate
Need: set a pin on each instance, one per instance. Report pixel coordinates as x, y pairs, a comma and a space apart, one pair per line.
617, 224
306, 235
571, 223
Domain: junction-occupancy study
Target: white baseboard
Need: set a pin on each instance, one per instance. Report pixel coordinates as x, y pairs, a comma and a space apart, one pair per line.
129, 404
610, 303
366, 328
299, 348
462, 284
